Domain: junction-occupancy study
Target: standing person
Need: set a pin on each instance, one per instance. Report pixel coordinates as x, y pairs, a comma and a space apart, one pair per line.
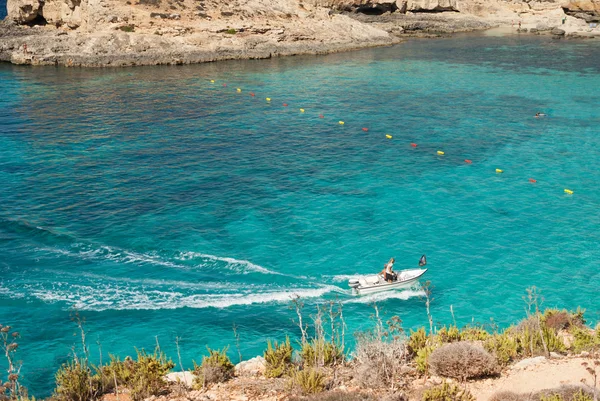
519, 25
389, 270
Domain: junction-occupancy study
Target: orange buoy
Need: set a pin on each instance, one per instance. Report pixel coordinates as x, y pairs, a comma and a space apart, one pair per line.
468, 161
414, 145
321, 116
224, 84
532, 180
252, 94
365, 129
285, 105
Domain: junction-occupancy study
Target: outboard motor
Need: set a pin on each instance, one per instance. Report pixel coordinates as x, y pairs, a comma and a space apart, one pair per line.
353, 283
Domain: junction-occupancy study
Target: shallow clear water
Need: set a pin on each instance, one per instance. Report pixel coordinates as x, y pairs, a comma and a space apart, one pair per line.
160, 204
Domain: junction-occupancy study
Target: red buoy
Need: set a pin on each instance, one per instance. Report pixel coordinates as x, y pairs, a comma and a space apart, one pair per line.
224, 84
365, 129
285, 105
468, 161
532, 180
414, 145
321, 116
252, 94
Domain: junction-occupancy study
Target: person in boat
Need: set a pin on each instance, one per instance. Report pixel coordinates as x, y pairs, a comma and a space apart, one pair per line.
388, 271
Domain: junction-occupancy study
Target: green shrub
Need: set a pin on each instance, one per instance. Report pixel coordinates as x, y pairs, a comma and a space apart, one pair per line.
75, 382
506, 396
127, 28
503, 346
231, 31
422, 358
584, 340
278, 358
447, 392
143, 377
448, 335
337, 396
462, 360
215, 368
474, 334
116, 370
527, 333
307, 381
148, 374
417, 340
564, 393
319, 352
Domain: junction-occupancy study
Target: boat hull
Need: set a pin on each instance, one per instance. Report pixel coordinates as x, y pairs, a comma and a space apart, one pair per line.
385, 286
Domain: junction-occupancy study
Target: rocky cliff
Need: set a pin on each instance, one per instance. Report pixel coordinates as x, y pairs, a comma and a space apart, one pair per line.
140, 32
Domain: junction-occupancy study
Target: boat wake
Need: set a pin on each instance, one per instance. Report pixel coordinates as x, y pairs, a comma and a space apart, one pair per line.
184, 260
110, 297
383, 296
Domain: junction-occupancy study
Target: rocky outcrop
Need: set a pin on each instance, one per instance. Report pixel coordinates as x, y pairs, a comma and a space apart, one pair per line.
23, 11
588, 10
432, 5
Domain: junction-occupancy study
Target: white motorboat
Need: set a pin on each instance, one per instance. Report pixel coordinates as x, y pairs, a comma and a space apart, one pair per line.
376, 282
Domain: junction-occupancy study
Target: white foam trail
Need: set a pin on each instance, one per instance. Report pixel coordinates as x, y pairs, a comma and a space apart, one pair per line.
241, 266
382, 296
343, 277
114, 298
109, 253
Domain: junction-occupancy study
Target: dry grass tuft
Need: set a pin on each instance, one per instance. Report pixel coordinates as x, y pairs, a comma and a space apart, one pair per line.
463, 360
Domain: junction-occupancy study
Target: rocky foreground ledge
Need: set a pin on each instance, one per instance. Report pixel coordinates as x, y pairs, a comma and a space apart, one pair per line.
104, 33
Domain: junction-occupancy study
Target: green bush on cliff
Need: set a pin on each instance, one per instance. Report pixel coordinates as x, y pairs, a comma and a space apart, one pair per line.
584, 340
278, 358
417, 340
503, 346
215, 368
307, 381
143, 377
319, 352
448, 335
447, 392
75, 382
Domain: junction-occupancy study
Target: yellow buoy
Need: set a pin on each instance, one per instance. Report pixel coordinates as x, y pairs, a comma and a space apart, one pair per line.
388, 136
568, 191
499, 171
439, 152
301, 110
239, 90
341, 123
212, 81
268, 99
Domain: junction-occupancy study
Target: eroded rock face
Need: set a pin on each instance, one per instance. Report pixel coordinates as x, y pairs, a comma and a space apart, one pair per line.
588, 10
432, 5
23, 11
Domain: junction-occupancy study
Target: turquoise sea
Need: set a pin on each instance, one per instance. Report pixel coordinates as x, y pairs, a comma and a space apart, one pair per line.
159, 204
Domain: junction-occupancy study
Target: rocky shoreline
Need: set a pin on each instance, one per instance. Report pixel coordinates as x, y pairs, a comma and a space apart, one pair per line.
116, 33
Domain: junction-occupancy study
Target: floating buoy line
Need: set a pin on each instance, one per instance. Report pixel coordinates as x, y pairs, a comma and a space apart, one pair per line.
388, 136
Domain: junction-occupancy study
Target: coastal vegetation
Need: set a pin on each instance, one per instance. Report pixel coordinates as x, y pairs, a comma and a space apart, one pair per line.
385, 361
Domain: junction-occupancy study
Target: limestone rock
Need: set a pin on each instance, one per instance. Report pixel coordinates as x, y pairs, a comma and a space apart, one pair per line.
251, 367
186, 378
432, 5
23, 11
525, 363
557, 32
580, 8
